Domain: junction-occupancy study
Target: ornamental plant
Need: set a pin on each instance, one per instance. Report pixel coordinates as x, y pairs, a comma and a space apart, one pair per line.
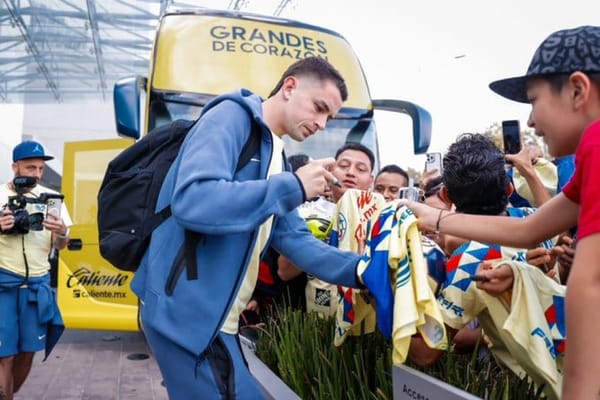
298, 347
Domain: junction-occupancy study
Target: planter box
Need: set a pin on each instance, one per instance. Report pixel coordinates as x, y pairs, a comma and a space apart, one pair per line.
272, 386
410, 384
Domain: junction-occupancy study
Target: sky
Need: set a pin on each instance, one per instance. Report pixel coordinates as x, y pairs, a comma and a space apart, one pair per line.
443, 54
438, 54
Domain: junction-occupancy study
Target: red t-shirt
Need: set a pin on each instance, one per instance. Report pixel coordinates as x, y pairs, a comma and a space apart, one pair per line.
584, 186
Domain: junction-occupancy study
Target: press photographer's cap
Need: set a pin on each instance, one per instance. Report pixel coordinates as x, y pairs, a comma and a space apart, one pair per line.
29, 149
563, 52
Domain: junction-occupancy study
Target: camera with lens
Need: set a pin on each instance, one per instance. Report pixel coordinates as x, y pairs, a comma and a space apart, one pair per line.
24, 221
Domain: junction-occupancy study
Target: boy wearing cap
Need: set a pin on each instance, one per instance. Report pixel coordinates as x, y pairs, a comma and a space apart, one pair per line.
30, 317
562, 84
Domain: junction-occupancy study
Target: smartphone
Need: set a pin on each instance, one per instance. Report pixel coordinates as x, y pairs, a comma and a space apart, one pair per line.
53, 206
411, 193
479, 278
434, 161
511, 136
250, 317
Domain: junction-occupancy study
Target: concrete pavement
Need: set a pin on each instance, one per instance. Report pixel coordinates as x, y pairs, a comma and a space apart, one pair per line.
95, 365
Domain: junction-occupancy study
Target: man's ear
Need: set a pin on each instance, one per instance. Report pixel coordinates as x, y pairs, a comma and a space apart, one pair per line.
289, 84
510, 189
580, 89
444, 195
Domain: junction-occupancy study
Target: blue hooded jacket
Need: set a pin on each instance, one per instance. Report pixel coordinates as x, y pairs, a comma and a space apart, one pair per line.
208, 196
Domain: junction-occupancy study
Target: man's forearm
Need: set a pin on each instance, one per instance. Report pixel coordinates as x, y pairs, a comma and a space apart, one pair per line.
61, 240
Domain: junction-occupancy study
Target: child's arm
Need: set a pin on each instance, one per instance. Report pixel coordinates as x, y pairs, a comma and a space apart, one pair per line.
582, 368
555, 216
524, 161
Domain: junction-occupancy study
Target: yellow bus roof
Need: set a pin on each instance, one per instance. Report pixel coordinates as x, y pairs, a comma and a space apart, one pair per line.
214, 52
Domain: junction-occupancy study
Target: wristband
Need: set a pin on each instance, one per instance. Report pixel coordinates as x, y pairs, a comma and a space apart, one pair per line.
440, 218
437, 224
65, 236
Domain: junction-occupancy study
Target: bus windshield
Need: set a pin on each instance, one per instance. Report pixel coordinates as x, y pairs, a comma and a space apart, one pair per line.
167, 108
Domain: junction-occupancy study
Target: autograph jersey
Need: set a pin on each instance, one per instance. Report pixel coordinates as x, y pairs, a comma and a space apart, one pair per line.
529, 334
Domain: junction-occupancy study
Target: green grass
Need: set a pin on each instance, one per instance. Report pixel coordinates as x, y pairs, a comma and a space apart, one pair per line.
299, 348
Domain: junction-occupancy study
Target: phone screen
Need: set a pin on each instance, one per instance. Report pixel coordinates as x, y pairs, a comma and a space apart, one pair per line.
511, 136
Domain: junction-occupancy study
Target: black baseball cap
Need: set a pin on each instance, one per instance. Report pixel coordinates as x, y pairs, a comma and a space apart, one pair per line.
563, 52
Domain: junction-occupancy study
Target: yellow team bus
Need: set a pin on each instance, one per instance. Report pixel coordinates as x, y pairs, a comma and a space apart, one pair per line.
197, 55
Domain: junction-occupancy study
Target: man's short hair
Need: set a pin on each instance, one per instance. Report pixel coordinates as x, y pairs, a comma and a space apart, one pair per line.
557, 81
358, 147
433, 186
394, 169
474, 175
298, 160
318, 68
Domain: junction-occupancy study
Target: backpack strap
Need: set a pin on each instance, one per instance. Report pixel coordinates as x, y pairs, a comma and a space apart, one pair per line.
192, 239
250, 148
159, 218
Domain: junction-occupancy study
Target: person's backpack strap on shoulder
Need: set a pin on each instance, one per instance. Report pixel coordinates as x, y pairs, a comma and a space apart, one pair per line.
192, 239
250, 148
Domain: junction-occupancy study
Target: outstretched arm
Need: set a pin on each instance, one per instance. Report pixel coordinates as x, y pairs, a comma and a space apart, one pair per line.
555, 216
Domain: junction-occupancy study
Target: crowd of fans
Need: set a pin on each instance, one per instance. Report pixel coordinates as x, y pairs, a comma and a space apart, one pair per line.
477, 178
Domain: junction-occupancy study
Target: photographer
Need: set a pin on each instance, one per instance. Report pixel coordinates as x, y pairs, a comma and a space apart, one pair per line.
33, 221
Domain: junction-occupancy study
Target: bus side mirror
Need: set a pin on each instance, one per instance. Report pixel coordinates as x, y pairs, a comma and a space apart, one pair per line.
421, 120
128, 95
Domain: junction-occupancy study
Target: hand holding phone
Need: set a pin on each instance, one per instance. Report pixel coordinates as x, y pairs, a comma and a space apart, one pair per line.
249, 318
53, 207
434, 162
411, 193
511, 136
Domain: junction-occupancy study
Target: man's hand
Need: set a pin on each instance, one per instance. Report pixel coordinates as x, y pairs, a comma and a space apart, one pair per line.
427, 216
523, 161
315, 177
54, 223
500, 279
565, 248
250, 317
7, 220
543, 258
